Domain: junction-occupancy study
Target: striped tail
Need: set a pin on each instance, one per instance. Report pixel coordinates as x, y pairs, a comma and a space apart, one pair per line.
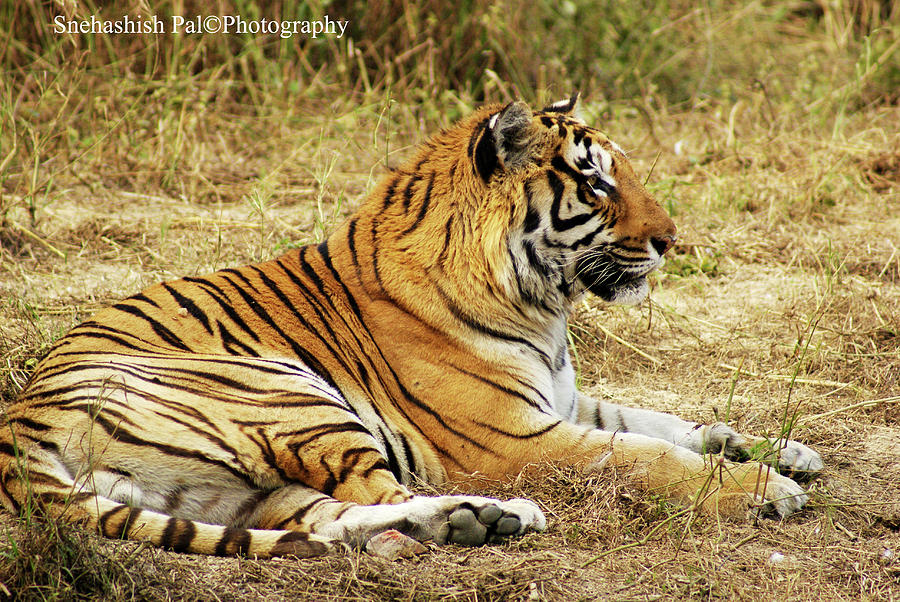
120, 521
117, 520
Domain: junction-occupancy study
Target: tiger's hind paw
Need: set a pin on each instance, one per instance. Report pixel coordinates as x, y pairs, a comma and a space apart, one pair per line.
476, 521
462, 519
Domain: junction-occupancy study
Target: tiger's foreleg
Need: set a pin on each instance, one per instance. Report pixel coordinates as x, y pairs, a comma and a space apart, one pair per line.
659, 466
789, 456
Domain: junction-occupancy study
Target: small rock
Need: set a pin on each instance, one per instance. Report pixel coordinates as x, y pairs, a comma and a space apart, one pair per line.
886, 556
393, 544
775, 559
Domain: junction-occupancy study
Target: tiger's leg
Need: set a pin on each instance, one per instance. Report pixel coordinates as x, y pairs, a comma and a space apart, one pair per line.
466, 520
790, 456
224, 517
719, 486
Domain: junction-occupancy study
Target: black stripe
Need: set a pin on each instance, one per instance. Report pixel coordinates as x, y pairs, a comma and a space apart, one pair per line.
393, 464
351, 245
319, 431
301, 512
474, 138
106, 337
476, 325
144, 298
442, 256
313, 301
534, 260
130, 522
531, 435
410, 458
377, 465
588, 238
559, 223
331, 482
9, 449
222, 298
389, 192
504, 389
578, 136
233, 541
29, 423
351, 457
566, 108
178, 535
338, 346
239, 274
269, 456
486, 160
160, 330
232, 344
423, 209
299, 352
408, 191
532, 218
106, 517
190, 306
116, 430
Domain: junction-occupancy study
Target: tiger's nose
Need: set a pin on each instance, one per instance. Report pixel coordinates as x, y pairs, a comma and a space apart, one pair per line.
663, 243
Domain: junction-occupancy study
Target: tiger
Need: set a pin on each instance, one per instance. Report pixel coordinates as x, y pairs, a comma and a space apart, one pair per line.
289, 407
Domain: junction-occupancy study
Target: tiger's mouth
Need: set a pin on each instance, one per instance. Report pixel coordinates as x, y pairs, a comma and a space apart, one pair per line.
611, 282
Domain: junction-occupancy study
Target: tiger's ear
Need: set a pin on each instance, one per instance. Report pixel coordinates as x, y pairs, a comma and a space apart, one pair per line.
506, 140
564, 107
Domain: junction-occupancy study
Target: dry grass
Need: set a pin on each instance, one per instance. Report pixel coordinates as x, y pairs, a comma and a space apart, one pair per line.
782, 298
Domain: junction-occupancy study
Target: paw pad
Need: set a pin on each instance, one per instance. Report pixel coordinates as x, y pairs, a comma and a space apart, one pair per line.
470, 526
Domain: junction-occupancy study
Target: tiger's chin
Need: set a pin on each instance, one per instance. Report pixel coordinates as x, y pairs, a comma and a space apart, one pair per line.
630, 292
614, 285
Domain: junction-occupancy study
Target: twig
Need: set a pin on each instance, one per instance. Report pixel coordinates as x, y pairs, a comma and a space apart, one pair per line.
745, 541
787, 377
38, 239
855, 406
622, 341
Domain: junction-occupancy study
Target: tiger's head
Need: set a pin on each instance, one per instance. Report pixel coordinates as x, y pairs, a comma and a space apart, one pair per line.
581, 220
521, 207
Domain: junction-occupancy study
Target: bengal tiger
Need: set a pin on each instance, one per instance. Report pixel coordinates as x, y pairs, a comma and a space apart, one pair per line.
284, 407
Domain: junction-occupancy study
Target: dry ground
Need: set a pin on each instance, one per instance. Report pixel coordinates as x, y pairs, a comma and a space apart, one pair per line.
782, 298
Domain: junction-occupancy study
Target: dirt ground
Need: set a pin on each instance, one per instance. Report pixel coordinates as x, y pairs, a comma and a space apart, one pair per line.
782, 296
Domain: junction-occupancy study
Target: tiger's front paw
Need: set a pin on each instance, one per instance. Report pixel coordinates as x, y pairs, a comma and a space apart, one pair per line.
799, 462
781, 497
791, 457
750, 488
